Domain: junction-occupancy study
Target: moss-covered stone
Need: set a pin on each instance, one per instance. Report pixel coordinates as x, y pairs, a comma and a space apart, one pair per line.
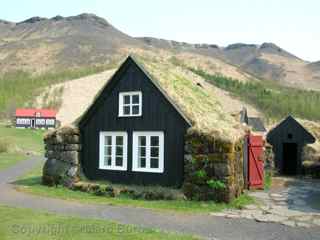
209, 160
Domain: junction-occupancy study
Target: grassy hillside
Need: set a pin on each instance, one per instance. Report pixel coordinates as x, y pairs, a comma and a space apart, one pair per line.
273, 100
20, 88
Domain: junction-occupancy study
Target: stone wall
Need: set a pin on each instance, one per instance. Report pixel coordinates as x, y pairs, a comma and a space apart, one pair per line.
63, 156
268, 156
213, 168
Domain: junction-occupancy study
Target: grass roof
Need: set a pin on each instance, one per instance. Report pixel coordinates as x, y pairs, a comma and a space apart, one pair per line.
193, 96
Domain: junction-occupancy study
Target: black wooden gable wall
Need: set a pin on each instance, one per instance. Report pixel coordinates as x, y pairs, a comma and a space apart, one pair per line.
288, 140
158, 114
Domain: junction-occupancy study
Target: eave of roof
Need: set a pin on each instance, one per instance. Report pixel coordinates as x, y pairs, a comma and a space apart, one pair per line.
290, 118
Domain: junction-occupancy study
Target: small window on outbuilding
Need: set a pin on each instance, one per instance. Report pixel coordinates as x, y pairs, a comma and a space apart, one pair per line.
130, 104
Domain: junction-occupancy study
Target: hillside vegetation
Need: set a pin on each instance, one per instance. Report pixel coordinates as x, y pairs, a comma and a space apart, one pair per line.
274, 101
19, 89
39, 45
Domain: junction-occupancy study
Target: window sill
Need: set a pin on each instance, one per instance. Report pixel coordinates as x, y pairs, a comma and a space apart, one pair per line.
128, 116
113, 169
148, 170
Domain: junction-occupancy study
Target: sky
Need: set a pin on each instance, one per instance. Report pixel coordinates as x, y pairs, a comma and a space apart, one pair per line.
291, 24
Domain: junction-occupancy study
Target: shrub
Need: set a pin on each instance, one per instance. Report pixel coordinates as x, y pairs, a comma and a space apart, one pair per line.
17, 87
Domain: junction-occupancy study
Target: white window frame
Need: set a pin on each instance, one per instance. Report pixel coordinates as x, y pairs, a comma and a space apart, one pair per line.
113, 153
135, 156
122, 105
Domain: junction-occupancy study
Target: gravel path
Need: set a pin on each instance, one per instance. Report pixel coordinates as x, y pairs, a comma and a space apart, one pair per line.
210, 227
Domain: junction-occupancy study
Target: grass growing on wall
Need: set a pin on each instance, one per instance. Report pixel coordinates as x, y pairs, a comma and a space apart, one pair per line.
274, 101
18, 88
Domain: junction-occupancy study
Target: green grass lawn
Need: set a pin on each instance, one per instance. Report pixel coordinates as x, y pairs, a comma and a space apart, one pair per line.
23, 139
31, 183
19, 141
24, 224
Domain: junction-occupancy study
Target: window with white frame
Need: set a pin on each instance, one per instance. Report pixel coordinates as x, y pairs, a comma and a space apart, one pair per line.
130, 104
148, 152
113, 150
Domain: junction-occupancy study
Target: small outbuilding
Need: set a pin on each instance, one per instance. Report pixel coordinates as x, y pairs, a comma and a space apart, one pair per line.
288, 139
255, 123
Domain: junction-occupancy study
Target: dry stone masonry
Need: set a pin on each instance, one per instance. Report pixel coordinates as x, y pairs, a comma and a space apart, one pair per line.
63, 156
213, 168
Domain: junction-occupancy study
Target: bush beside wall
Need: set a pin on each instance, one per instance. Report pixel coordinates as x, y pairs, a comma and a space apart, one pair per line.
213, 168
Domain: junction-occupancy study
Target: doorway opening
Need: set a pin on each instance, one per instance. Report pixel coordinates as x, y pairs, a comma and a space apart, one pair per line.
290, 159
33, 123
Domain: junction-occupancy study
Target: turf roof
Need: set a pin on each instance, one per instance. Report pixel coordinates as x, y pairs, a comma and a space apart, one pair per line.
196, 103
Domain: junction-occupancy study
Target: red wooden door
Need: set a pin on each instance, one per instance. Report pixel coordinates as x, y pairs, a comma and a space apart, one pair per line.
255, 161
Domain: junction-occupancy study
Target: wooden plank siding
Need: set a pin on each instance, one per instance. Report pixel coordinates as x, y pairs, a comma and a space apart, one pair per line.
158, 114
289, 131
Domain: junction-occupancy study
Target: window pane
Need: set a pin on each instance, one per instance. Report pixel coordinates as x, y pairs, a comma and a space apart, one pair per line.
154, 152
135, 99
126, 110
119, 151
135, 110
108, 150
118, 161
119, 140
142, 152
142, 162
126, 99
154, 141
108, 140
142, 140
107, 161
154, 163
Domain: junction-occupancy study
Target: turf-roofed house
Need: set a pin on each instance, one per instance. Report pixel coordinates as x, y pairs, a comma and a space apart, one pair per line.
151, 126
